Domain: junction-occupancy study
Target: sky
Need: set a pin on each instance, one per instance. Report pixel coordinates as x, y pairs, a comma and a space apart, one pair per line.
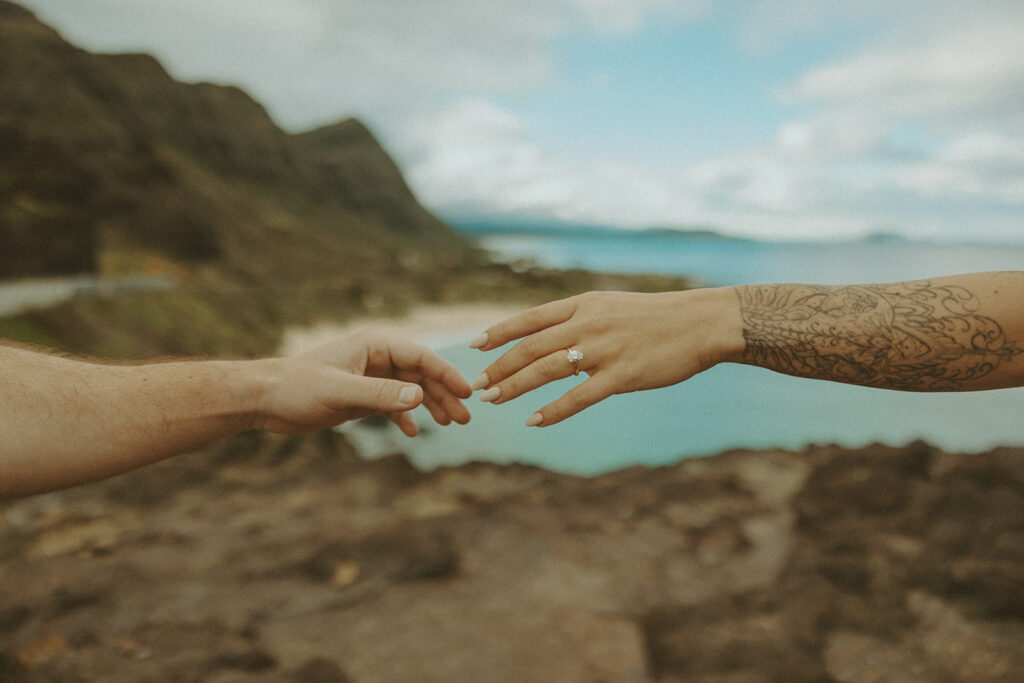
782, 119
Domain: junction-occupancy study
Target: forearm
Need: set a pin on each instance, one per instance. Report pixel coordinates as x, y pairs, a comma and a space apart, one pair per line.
944, 334
66, 422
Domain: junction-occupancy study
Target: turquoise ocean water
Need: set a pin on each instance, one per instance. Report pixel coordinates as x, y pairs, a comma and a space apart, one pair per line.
730, 406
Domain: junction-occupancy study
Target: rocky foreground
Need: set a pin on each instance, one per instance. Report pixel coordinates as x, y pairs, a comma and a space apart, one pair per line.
292, 559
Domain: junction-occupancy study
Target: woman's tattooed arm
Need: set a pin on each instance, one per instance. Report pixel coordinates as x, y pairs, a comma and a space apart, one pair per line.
915, 336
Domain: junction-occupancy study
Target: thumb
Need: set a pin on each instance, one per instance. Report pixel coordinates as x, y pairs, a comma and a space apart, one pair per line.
378, 394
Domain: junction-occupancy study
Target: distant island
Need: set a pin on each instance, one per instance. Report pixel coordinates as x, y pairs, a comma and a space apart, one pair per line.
553, 227
483, 227
478, 227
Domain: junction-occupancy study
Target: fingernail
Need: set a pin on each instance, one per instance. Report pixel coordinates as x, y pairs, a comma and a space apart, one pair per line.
480, 382
407, 395
535, 420
478, 341
491, 394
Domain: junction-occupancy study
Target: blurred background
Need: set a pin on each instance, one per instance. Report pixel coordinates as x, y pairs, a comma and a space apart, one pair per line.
241, 178
769, 119
707, 143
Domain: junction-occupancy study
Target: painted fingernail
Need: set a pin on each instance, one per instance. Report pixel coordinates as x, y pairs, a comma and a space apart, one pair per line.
481, 382
491, 394
535, 420
407, 395
479, 341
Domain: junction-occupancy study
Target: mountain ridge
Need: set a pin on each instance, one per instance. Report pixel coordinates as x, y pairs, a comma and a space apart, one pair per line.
111, 153
112, 168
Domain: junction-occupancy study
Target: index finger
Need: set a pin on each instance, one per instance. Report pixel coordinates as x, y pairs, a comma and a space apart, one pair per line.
525, 323
407, 355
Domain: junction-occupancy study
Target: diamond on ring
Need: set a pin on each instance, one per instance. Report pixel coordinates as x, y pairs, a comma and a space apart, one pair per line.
574, 356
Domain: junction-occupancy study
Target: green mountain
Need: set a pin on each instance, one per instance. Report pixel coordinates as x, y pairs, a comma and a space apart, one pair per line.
109, 166
106, 156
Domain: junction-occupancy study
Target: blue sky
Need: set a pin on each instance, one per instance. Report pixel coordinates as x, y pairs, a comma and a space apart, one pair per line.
637, 95
768, 118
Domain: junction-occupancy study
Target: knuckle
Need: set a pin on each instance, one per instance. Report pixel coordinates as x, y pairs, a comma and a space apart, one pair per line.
382, 393
365, 336
552, 367
529, 347
578, 401
590, 299
622, 376
498, 370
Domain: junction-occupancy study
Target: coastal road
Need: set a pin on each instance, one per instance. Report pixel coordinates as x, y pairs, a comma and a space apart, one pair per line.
18, 296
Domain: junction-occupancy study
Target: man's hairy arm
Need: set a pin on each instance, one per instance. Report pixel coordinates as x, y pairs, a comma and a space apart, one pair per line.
65, 421
945, 334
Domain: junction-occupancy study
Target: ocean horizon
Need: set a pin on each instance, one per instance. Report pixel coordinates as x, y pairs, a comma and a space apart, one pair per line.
731, 406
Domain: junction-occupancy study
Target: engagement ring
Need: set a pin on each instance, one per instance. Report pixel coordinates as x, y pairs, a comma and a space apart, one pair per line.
574, 356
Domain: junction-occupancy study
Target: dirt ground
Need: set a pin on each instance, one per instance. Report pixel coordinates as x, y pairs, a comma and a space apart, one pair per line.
267, 558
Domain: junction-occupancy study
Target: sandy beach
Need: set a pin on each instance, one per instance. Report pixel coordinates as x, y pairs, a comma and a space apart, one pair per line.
433, 326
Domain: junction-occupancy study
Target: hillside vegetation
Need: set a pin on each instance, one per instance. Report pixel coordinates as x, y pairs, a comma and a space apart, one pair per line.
112, 167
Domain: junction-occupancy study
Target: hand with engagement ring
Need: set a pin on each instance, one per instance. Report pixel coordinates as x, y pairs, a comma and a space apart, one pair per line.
949, 333
622, 341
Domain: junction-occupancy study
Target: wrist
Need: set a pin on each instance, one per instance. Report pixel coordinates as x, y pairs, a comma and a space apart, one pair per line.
248, 384
723, 326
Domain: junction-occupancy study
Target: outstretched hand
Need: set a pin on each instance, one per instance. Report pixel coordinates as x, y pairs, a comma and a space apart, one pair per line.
629, 342
363, 374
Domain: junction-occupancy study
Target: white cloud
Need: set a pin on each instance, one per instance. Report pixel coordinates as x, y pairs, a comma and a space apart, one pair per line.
920, 128
765, 25
622, 17
828, 137
476, 158
982, 165
988, 148
315, 61
922, 104
770, 25
847, 168
754, 180
966, 70
476, 155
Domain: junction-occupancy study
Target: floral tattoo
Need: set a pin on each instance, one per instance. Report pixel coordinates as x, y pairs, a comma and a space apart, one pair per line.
914, 336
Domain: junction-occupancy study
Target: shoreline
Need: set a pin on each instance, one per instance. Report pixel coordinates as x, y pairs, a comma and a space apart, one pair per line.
434, 326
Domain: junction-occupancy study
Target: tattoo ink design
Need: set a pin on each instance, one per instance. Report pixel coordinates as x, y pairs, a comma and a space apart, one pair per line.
913, 336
